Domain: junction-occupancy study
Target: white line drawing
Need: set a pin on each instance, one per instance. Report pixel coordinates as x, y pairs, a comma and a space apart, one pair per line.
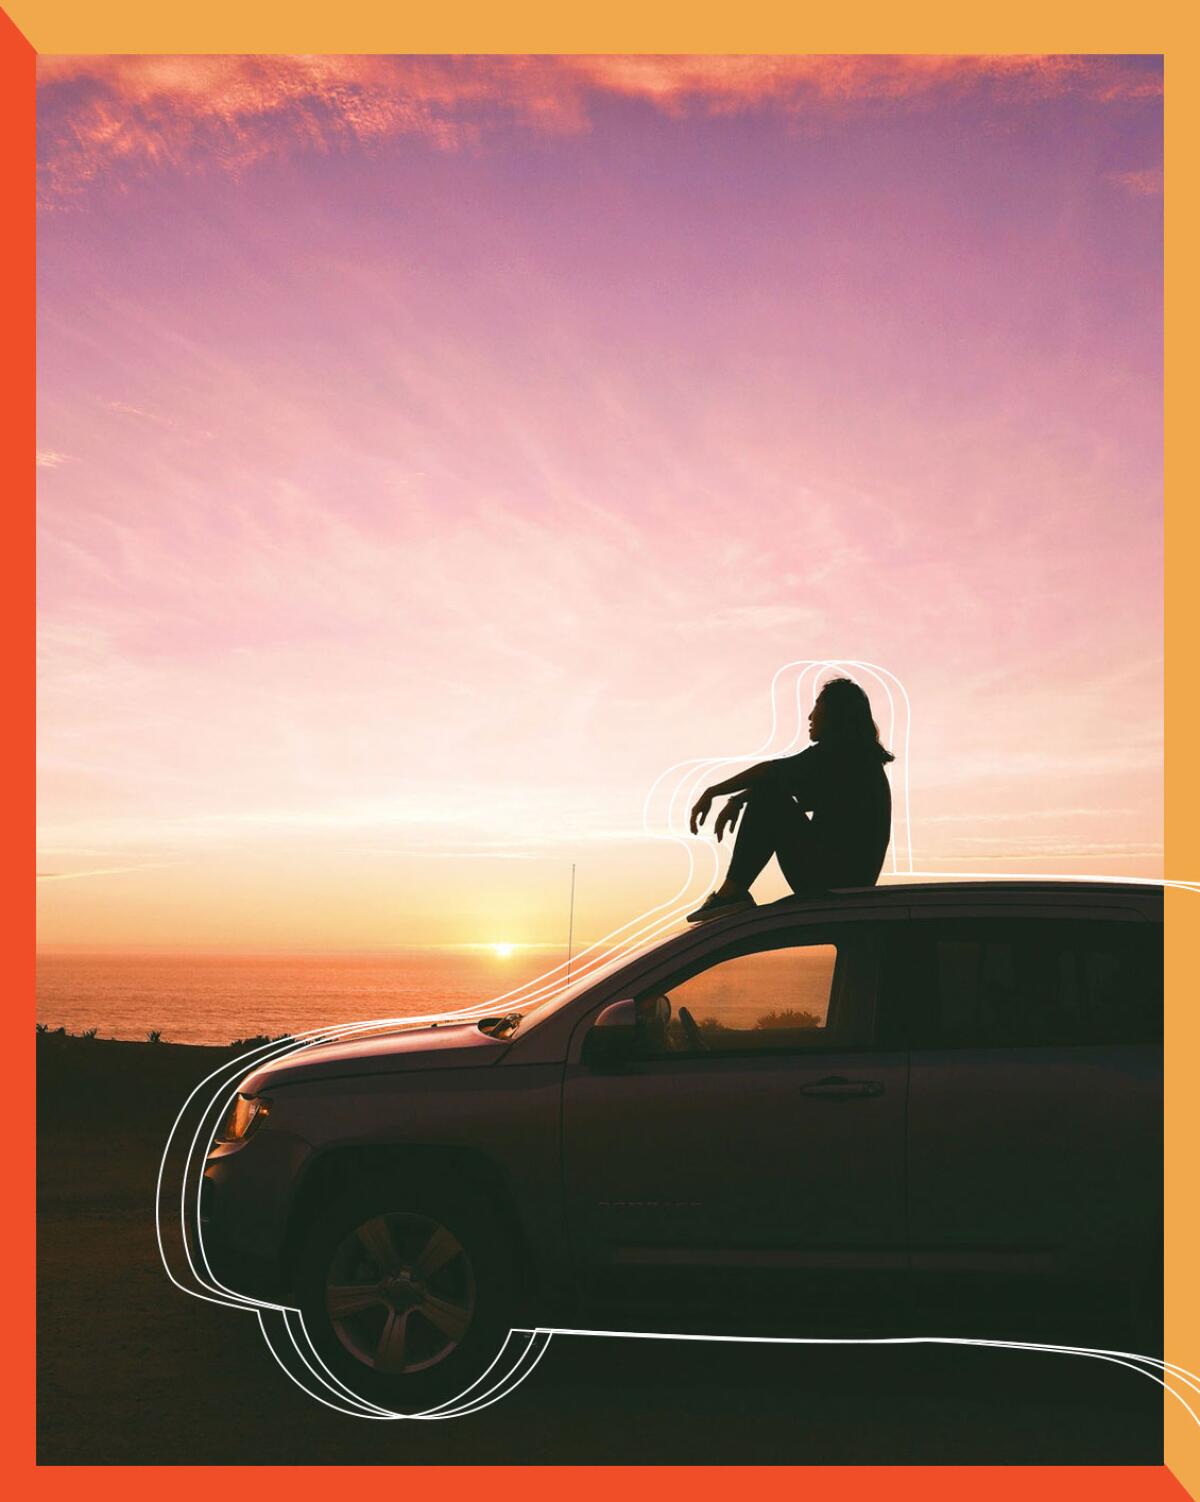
282, 1325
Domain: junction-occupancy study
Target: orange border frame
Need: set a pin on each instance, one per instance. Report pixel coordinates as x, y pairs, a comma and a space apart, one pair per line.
18, 437
628, 26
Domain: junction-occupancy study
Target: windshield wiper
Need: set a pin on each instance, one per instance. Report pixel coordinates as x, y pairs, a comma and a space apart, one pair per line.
498, 1027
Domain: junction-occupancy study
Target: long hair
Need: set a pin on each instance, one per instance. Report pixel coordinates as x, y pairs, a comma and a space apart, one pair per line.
848, 716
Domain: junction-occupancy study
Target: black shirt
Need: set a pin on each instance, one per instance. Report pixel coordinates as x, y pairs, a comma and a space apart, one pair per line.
846, 790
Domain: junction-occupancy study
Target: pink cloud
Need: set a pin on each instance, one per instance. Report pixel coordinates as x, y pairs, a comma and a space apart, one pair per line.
131, 116
1148, 183
798, 83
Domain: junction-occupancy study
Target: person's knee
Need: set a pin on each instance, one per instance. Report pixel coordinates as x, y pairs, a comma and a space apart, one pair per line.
768, 789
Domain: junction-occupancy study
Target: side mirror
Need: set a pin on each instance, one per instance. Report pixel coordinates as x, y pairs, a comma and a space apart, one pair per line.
612, 1038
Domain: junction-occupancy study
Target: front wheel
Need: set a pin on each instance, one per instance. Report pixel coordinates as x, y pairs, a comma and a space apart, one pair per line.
406, 1292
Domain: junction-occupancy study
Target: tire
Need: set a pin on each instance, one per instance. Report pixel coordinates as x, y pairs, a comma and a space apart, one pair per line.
406, 1291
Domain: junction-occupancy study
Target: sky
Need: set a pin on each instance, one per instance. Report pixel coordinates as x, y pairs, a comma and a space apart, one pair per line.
433, 451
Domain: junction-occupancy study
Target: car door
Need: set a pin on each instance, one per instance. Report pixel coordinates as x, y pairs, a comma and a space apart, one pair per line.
1035, 1099
760, 1127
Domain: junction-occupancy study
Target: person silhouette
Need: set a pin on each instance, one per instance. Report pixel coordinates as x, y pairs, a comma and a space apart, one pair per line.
839, 780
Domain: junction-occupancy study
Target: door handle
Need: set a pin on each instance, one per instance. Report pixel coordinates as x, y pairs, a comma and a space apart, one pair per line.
837, 1088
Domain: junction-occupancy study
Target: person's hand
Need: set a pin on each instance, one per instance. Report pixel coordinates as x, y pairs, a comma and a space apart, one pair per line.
728, 817
701, 811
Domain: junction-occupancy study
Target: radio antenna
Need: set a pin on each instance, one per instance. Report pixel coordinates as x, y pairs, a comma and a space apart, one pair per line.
571, 925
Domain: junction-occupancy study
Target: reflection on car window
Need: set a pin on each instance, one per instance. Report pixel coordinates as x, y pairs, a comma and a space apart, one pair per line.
1041, 982
795, 997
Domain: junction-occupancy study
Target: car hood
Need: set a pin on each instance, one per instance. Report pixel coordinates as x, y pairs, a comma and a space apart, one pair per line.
457, 1045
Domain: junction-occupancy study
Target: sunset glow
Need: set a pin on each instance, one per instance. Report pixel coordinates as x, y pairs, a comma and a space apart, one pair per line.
433, 451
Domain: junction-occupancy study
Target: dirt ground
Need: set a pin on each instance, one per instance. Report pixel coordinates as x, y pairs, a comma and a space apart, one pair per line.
133, 1371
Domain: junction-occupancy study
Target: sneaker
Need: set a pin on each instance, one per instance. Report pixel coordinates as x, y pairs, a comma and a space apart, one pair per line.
718, 907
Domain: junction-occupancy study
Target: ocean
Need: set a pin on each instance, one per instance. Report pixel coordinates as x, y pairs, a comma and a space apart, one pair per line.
219, 998
214, 998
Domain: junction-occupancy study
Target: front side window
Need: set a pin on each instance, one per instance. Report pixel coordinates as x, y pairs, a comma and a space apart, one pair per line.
798, 996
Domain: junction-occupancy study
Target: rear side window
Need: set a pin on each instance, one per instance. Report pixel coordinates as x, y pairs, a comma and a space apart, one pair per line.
1004, 983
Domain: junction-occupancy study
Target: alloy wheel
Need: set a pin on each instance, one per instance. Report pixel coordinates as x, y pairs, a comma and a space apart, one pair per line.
400, 1293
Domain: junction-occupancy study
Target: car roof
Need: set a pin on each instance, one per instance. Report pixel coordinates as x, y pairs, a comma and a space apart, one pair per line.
1070, 894
958, 886
1067, 893
904, 893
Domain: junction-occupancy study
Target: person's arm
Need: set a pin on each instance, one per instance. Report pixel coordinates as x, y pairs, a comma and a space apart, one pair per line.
739, 783
801, 775
742, 782
796, 774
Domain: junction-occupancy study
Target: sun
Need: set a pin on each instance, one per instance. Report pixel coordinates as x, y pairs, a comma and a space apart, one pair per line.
503, 950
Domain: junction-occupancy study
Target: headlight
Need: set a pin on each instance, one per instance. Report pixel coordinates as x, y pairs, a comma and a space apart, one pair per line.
245, 1114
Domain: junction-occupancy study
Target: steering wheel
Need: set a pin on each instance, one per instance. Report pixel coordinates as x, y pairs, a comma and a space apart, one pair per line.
694, 1036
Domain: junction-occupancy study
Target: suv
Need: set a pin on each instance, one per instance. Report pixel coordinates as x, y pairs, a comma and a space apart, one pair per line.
928, 1106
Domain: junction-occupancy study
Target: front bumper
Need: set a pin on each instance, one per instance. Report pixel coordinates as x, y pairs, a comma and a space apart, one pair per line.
245, 1203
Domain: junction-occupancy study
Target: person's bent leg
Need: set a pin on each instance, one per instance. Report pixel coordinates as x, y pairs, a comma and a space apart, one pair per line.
772, 823
765, 818
796, 852
782, 828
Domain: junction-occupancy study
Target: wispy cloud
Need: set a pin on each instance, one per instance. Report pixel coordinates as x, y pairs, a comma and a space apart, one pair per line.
131, 116
1022, 816
415, 853
103, 871
128, 409
1146, 183
1009, 848
52, 459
